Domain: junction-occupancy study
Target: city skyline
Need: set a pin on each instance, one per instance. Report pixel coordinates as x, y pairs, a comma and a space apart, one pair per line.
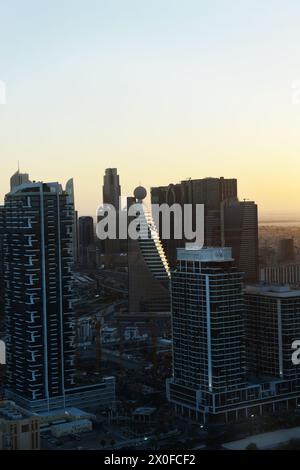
209, 90
280, 215
149, 229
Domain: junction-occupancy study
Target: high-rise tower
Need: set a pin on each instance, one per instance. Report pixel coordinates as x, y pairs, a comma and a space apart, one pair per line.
208, 325
71, 194
227, 221
232, 350
86, 237
111, 188
240, 232
148, 270
272, 325
18, 178
111, 195
38, 256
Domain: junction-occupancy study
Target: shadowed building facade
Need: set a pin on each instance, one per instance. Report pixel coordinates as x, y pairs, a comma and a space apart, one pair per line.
240, 232
227, 221
148, 270
112, 195
86, 237
39, 318
232, 350
38, 255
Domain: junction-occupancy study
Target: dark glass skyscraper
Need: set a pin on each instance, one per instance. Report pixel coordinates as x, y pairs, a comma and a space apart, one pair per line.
240, 232
208, 191
111, 195
227, 221
86, 237
111, 188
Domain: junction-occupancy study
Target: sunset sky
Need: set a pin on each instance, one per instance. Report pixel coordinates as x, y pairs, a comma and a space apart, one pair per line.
162, 89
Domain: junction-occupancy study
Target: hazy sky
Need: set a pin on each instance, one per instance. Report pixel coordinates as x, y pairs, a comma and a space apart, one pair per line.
162, 89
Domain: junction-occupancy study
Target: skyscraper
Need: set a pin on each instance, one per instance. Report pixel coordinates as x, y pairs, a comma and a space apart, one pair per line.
1, 274
227, 221
148, 270
86, 237
111, 188
240, 232
230, 360
71, 194
208, 325
39, 319
111, 195
272, 325
38, 293
18, 178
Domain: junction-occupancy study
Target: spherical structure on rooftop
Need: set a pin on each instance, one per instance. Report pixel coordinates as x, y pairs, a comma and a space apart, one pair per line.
140, 193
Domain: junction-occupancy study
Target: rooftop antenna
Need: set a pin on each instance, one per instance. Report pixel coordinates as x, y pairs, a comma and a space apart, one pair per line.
18, 166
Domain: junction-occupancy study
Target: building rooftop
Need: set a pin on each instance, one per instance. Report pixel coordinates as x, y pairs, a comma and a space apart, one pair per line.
209, 254
144, 410
52, 187
270, 290
71, 411
11, 412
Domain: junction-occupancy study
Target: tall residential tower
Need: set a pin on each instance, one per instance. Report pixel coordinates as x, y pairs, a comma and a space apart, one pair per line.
38, 256
232, 350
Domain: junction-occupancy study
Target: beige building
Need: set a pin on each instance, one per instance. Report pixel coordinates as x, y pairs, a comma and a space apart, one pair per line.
19, 430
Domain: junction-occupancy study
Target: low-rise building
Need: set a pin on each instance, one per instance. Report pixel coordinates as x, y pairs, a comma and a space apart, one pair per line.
71, 427
19, 430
